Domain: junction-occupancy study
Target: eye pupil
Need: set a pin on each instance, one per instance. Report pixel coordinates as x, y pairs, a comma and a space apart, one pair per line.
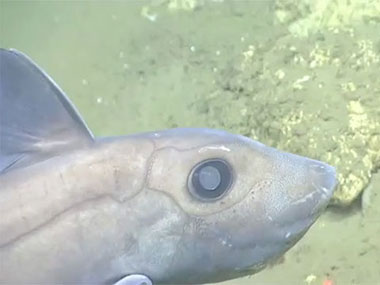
209, 177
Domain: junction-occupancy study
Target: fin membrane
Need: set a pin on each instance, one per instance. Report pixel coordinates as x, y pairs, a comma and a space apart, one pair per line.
37, 120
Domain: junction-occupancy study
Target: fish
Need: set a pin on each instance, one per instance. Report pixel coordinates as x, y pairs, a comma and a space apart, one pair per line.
179, 206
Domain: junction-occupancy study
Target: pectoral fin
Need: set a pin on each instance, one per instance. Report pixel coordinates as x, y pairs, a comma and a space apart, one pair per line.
134, 279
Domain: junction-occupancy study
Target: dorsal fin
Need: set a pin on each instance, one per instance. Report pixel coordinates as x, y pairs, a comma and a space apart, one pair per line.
37, 120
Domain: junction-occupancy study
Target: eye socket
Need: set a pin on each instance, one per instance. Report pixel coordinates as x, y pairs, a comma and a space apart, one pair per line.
210, 179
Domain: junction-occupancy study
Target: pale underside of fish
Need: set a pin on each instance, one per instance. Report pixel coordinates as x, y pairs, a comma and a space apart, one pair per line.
180, 206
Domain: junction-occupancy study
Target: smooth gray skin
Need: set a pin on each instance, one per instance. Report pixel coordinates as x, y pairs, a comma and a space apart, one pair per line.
75, 209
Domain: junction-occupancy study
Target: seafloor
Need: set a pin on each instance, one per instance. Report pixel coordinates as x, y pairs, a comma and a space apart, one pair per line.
302, 76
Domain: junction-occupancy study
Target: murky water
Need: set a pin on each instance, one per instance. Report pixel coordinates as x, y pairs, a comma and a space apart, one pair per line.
135, 66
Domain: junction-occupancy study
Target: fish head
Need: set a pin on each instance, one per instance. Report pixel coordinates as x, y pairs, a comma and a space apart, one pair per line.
246, 203
183, 206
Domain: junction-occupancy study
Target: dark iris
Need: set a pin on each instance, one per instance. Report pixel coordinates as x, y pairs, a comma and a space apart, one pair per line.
210, 179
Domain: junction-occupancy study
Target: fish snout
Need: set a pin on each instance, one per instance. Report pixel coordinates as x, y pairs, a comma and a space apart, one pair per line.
323, 180
320, 181
304, 200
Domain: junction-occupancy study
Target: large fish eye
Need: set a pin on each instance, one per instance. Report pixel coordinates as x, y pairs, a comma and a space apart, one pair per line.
210, 179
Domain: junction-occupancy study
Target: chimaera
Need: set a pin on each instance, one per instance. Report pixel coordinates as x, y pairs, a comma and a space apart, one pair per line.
181, 206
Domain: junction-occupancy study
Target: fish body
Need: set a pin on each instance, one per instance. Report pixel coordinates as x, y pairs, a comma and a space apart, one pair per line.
181, 206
